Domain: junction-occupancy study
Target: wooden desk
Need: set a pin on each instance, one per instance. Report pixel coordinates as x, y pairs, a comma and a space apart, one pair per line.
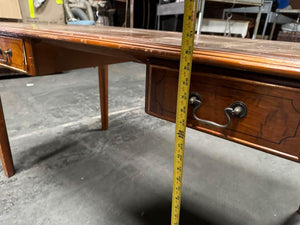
264, 75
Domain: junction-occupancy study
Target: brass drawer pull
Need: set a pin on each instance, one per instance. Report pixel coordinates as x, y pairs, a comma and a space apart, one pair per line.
236, 109
7, 54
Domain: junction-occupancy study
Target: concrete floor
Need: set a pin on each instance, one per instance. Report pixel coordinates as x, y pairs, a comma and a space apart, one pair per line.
71, 172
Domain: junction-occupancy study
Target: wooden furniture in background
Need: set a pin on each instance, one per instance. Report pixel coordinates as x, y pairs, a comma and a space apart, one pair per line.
10, 9
288, 36
294, 14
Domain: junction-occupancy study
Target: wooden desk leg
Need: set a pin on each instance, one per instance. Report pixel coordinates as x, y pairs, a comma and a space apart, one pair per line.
298, 210
103, 90
5, 153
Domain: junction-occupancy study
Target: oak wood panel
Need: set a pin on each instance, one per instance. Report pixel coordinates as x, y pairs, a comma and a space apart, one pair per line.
273, 58
273, 120
18, 59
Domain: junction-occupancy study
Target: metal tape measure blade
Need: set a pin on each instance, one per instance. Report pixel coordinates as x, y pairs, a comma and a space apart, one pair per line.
186, 58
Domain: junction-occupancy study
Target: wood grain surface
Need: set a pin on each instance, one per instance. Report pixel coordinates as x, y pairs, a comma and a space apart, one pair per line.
273, 120
263, 74
18, 58
268, 57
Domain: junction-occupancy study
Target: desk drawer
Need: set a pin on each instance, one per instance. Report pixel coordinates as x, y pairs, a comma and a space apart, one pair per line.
12, 53
272, 123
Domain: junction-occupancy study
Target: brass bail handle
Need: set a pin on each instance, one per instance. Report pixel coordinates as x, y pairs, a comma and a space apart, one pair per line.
7, 54
237, 109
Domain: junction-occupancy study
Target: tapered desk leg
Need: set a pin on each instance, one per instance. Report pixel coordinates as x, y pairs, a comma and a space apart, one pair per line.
5, 153
103, 90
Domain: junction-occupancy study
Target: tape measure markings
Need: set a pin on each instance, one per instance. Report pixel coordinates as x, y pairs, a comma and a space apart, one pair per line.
187, 46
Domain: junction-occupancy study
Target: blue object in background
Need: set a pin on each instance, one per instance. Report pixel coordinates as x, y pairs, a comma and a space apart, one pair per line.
283, 3
81, 22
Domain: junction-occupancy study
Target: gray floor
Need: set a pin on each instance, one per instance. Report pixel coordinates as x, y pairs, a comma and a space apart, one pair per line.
71, 172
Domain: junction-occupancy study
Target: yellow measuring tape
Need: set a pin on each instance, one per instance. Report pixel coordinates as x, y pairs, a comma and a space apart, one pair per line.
31, 8
187, 47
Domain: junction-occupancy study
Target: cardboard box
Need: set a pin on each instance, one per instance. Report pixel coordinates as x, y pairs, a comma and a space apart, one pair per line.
50, 12
10, 9
295, 4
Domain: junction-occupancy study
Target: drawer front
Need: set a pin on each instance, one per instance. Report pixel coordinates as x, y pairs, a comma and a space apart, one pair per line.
272, 123
12, 54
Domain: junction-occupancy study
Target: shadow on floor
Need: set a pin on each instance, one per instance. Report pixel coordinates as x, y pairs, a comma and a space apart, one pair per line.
293, 220
159, 213
107, 160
